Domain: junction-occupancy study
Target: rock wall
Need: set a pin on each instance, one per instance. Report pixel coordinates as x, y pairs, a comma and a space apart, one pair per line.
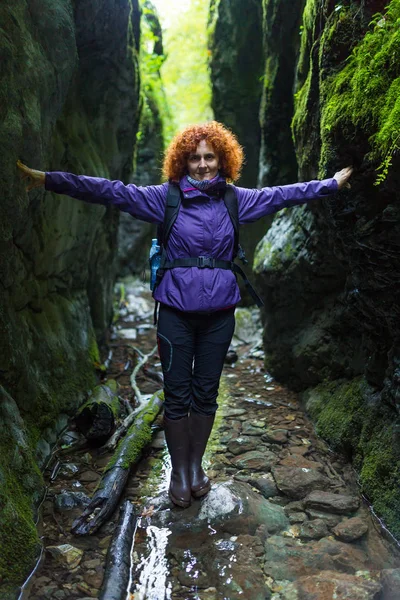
281, 22
134, 237
329, 271
237, 63
69, 100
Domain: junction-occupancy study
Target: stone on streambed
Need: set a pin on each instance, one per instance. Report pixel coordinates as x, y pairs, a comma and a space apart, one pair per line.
328, 585
71, 500
288, 559
297, 482
350, 530
249, 429
334, 503
313, 530
236, 508
66, 555
265, 484
276, 436
255, 460
243, 444
330, 519
390, 579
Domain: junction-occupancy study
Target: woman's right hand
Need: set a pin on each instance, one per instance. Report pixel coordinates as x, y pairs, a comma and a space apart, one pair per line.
34, 178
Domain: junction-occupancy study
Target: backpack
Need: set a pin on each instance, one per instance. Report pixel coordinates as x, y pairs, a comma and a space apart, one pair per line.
172, 206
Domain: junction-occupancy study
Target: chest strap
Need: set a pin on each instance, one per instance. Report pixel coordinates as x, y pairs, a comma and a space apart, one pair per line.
207, 262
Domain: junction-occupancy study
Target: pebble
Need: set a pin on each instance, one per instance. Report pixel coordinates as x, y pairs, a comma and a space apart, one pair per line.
66, 555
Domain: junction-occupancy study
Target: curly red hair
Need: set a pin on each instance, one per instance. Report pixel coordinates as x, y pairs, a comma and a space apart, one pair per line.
223, 141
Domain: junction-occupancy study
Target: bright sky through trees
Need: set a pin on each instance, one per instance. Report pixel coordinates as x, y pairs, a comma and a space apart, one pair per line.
185, 72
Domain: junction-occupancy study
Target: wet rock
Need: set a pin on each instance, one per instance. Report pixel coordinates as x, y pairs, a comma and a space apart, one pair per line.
313, 530
300, 450
350, 529
158, 441
330, 519
48, 591
94, 577
328, 585
289, 559
390, 579
66, 555
294, 460
68, 470
242, 444
298, 482
296, 506
249, 429
297, 517
233, 412
276, 436
255, 460
89, 477
70, 500
266, 485
234, 507
335, 503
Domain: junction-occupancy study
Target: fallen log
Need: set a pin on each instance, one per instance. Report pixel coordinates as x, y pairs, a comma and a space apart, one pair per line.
96, 418
118, 562
115, 476
120, 431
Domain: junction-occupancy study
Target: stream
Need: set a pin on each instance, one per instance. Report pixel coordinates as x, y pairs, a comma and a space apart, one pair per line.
284, 519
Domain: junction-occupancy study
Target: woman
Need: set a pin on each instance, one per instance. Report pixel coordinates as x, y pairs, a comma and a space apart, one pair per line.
196, 319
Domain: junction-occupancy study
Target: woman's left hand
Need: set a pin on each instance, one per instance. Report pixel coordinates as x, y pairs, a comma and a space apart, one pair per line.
342, 177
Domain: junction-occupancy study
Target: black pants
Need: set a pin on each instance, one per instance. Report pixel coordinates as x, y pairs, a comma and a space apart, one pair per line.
192, 348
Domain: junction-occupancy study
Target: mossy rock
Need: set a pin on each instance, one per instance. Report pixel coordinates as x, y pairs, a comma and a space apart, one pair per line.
348, 417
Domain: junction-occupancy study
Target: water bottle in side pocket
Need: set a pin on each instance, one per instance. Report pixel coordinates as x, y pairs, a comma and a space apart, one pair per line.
154, 259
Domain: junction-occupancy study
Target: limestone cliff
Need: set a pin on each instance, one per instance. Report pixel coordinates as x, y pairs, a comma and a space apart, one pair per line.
330, 270
69, 100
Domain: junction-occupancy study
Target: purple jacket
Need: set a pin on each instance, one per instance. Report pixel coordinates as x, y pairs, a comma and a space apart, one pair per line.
203, 228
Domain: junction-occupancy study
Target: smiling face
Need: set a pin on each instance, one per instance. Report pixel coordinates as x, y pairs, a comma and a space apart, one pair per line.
203, 163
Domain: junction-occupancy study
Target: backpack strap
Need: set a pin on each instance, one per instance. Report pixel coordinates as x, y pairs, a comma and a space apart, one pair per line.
172, 206
231, 204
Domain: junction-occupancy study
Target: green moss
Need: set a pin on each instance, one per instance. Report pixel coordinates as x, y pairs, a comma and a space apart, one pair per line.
336, 412
20, 480
130, 448
364, 95
351, 422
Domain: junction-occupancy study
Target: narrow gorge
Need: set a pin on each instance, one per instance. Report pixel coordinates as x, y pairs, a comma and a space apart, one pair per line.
308, 88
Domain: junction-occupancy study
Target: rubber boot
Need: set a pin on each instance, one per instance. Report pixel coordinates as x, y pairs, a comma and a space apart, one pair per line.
177, 438
200, 428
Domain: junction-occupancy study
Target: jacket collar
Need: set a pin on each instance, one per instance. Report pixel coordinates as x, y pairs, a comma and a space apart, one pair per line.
190, 190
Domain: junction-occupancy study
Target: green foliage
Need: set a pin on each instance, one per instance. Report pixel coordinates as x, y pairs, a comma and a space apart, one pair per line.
154, 101
365, 94
185, 71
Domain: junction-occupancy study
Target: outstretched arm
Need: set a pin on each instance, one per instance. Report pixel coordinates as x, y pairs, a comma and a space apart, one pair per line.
145, 203
254, 203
